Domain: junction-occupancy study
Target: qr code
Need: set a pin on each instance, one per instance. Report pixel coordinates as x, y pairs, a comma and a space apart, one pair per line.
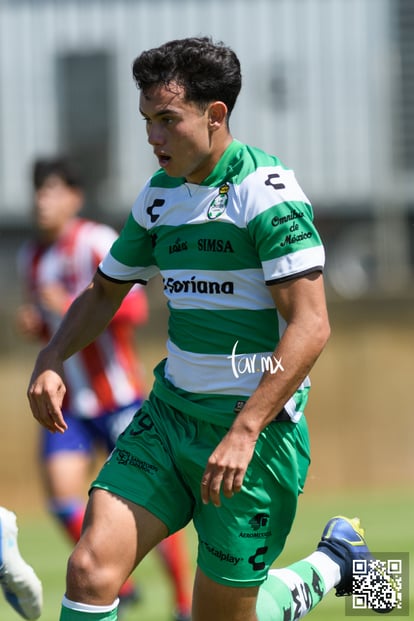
377, 585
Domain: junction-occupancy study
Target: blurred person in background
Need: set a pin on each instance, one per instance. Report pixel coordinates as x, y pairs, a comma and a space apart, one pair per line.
105, 381
19, 582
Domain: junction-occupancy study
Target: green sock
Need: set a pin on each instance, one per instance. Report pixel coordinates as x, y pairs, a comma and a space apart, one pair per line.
289, 594
73, 611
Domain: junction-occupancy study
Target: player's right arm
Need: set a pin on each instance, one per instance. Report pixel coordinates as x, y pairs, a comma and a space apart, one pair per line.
86, 318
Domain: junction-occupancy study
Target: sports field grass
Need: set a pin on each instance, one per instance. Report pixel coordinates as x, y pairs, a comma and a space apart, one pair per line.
387, 516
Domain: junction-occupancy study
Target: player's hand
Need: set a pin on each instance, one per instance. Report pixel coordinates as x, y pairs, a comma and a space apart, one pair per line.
226, 467
46, 391
29, 322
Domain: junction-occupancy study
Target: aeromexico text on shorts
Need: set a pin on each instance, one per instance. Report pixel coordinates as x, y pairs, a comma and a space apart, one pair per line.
253, 363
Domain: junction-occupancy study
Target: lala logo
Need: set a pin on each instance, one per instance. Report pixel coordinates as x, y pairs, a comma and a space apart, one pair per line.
219, 203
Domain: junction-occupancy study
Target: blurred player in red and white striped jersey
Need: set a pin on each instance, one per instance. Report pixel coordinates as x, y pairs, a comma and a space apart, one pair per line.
105, 381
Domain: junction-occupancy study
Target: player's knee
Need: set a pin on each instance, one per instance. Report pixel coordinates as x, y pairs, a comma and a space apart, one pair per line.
89, 581
80, 570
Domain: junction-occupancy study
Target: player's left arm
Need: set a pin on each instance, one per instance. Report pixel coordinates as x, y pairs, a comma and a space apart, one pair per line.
86, 318
301, 302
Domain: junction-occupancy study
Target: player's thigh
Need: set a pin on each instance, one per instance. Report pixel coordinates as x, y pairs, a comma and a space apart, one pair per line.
117, 534
66, 459
222, 603
119, 527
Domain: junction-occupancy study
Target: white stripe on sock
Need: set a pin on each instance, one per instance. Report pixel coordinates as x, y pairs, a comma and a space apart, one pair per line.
88, 607
327, 568
287, 576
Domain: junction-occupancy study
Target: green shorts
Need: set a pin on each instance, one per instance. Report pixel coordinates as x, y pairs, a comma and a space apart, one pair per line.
158, 463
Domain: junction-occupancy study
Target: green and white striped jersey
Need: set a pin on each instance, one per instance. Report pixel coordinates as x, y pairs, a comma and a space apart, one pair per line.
217, 246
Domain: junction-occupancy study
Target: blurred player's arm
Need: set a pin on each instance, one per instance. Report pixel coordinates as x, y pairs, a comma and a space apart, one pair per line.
29, 322
29, 319
85, 319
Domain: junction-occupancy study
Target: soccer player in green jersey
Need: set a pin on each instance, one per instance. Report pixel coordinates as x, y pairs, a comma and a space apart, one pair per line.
222, 438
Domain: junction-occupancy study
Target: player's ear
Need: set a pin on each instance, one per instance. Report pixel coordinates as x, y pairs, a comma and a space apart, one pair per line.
217, 115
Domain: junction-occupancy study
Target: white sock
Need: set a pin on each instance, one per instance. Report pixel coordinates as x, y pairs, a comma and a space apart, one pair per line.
328, 569
67, 603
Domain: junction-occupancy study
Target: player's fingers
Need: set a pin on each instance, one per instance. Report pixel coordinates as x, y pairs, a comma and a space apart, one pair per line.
204, 488
215, 487
211, 485
232, 481
228, 483
46, 410
54, 408
57, 420
215, 484
53, 417
42, 415
238, 481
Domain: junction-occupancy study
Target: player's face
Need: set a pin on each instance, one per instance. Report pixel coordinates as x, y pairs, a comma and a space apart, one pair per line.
179, 132
55, 204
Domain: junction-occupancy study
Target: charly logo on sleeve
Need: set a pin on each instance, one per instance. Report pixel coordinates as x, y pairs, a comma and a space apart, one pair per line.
157, 202
219, 203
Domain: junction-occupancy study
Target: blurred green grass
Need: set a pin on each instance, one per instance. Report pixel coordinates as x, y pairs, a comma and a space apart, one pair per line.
386, 514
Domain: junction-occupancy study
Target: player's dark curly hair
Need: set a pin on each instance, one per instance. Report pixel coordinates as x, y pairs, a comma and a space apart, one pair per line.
207, 71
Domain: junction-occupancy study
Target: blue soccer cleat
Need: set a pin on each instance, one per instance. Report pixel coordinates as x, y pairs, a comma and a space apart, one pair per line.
343, 541
21, 587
